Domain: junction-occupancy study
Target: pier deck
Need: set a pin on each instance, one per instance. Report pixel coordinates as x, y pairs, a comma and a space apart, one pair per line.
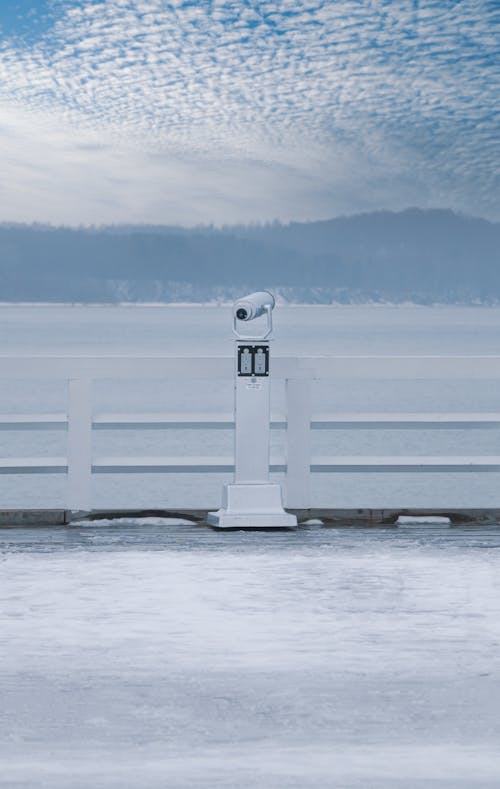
330, 517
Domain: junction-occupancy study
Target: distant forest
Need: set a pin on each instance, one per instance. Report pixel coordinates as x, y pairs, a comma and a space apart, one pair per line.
415, 255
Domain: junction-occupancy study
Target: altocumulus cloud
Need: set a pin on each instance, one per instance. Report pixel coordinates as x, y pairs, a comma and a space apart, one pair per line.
227, 110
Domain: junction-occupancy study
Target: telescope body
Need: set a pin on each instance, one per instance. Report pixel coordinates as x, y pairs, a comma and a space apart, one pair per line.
253, 306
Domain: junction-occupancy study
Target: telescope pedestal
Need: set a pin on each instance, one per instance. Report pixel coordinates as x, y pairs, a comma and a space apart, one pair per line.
252, 501
252, 505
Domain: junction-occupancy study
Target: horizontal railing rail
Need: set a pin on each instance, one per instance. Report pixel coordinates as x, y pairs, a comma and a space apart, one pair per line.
299, 420
192, 464
485, 367
176, 421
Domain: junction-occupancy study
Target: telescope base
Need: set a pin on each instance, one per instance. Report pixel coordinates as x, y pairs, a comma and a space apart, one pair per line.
252, 506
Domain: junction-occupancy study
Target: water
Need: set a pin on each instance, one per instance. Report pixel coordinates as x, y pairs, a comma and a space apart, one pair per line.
299, 330
151, 657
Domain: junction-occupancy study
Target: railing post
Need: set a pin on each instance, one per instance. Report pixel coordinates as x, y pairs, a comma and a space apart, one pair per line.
298, 444
79, 482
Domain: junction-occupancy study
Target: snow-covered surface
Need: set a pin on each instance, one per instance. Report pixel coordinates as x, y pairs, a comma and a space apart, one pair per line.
419, 520
149, 520
145, 656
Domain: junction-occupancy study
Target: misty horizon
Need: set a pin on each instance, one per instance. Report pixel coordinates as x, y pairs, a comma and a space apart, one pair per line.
432, 256
257, 224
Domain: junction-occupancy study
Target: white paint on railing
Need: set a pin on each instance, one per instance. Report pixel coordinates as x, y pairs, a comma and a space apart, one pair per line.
343, 464
192, 464
401, 463
159, 464
407, 421
205, 421
35, 465
33, 421
359, 421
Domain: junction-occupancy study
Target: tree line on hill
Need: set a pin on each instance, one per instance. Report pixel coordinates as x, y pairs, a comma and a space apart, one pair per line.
422, 256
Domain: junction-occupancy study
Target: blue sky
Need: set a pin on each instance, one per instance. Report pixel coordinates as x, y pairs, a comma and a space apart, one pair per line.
237, 110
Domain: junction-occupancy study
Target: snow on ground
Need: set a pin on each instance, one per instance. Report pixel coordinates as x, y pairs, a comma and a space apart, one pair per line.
153, 656
149, 520
420, 520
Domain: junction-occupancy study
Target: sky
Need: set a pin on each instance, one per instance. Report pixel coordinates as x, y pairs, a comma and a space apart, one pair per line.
224, 111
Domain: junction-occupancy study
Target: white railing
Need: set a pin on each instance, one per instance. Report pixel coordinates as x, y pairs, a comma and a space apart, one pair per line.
297, 372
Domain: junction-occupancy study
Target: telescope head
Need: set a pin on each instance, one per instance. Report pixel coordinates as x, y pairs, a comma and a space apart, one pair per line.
253, 306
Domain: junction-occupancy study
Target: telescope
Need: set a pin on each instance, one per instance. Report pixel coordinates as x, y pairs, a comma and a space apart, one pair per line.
252, 501
253, 306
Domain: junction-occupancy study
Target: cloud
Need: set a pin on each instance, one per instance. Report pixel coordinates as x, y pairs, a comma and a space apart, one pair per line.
231, 111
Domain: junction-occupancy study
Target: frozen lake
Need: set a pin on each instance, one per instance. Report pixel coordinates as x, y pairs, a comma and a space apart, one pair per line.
301, 330
180, 657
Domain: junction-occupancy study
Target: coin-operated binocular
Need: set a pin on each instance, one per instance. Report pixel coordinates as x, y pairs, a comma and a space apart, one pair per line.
250, 307
252, 501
